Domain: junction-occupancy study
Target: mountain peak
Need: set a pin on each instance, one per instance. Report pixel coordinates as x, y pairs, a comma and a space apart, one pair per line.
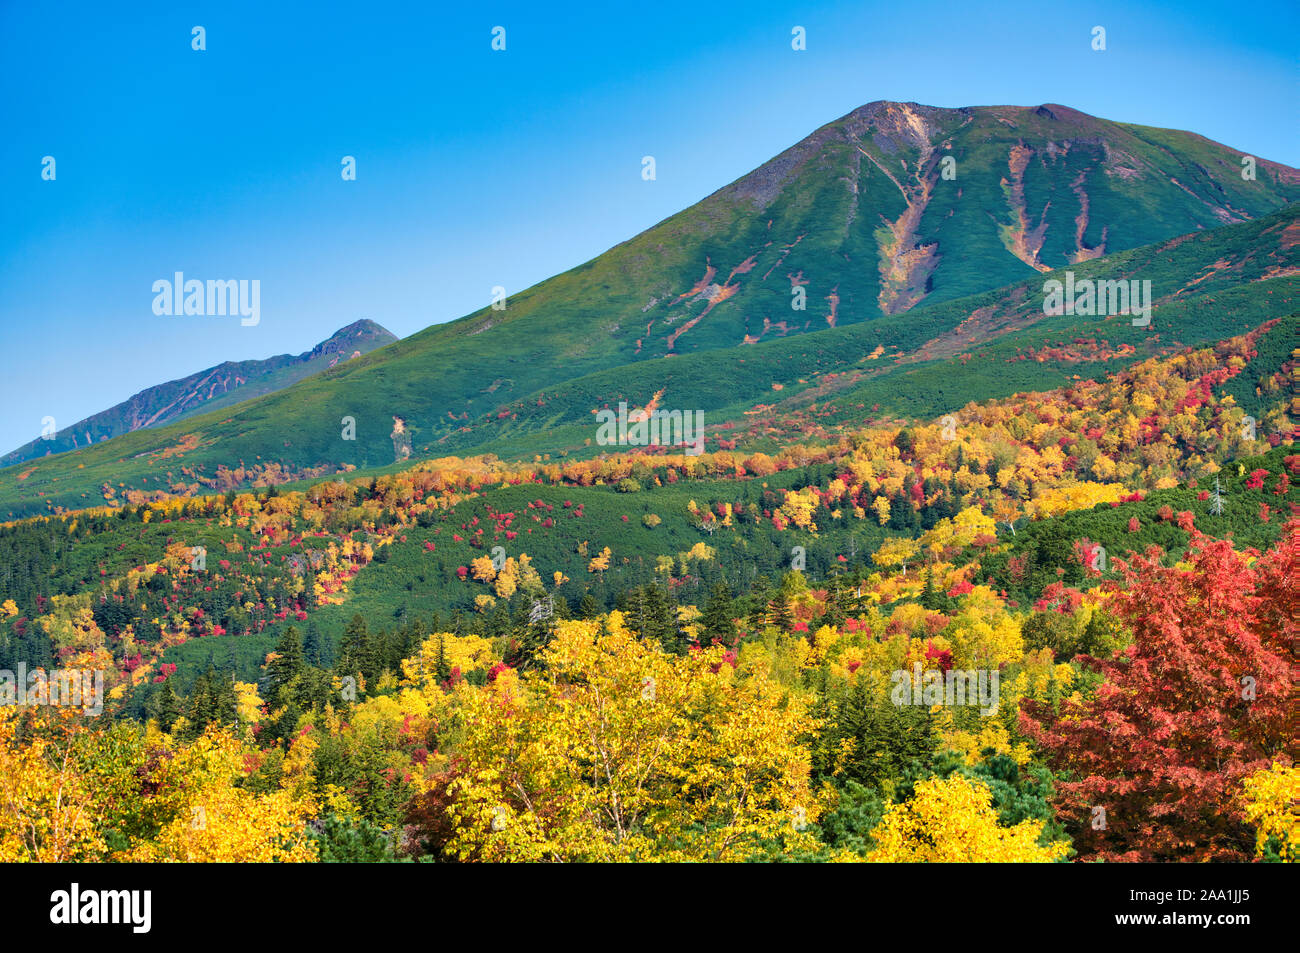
365, 335
364, 326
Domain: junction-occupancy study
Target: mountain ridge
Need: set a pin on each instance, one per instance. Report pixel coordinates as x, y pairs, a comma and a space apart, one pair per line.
225, 383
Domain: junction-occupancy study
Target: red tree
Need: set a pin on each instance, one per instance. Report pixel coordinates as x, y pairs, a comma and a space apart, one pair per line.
1195, 704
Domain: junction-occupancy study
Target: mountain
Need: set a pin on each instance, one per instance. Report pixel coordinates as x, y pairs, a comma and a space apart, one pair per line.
227, 383
896, 264
1205, 287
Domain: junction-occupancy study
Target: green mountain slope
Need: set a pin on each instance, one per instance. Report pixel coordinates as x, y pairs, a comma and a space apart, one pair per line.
858, 217
930, 361
228, 383
934, 359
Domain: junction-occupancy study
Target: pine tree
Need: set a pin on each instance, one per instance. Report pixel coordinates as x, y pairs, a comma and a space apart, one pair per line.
636, 612
535, 636
166, 707
651, 614
661, 619
444, 667
200, 711
355, 652
716, 620
930, 596
780, 615
413, 637
225, 702
352, 841
836, 599
313, 649
760, 595
887, 741
285, 668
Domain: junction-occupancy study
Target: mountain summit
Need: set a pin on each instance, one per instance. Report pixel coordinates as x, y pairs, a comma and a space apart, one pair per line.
928, 204
891, 206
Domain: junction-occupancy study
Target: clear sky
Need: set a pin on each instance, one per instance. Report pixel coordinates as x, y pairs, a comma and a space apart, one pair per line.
478, 168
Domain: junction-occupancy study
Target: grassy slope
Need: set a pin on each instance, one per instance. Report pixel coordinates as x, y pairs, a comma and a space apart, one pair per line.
821, 209
1226, 302
1208, 286
413, 581
246, 380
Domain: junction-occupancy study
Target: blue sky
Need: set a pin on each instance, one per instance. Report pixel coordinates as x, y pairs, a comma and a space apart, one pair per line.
478, 168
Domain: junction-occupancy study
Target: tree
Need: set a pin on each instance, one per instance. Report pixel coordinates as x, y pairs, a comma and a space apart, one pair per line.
212, 701
313, 646
357, 655
866, 738
624, 752
283, 666
352, 841
717, 621
931, 598
952, 820
800, 506
1006, 511
443, 666
209, 817
881, 505
838, 598
651, 614
47, 812
1269, 798
1197, 703
166, 707
780, 614
760, 593
600, 562
895, 551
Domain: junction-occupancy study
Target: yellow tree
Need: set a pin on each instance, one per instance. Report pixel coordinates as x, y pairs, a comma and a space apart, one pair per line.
482, 569
881, 506
1270, 798
895, 551
599, 563
621, 751
983, 634
248, 704
952, 820
507, 579
799, 507
1006, 511
211, 819
46, 809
